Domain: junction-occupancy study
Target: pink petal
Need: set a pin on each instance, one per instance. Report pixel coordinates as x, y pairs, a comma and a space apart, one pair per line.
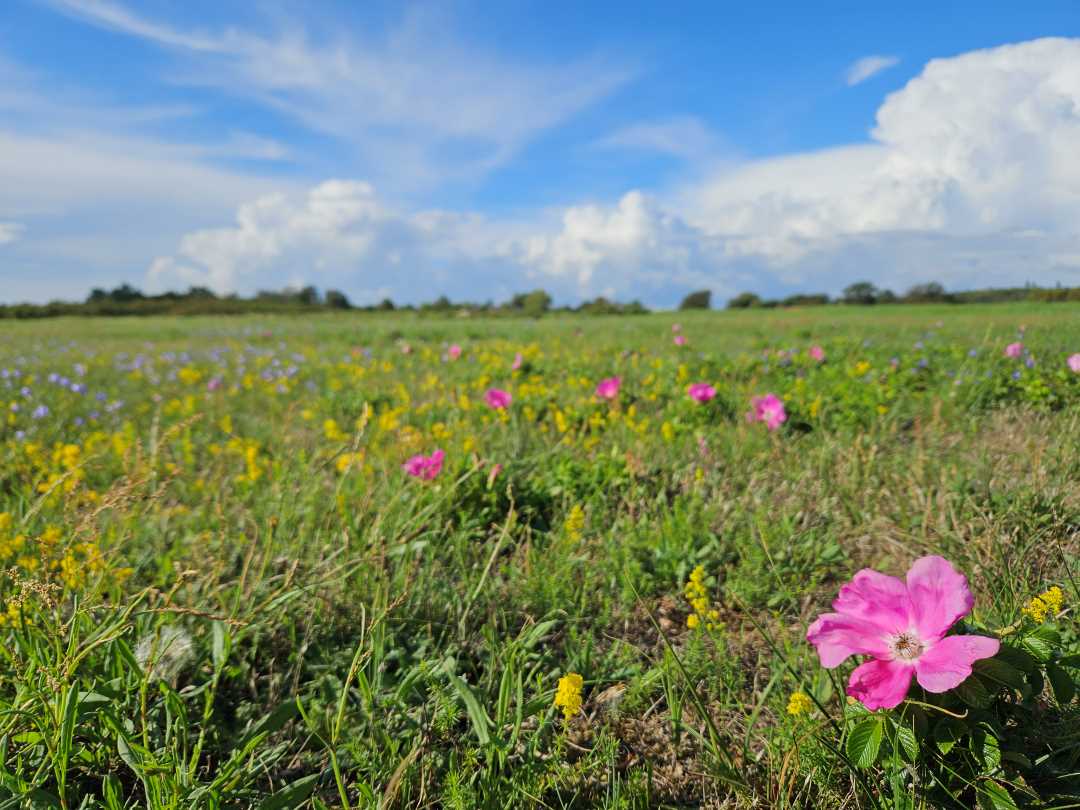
939, 596
880, 684
876, 598
837, 636
948, 663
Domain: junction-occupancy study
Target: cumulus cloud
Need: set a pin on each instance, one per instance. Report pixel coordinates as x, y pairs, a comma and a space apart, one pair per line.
10, 231
869, 66
971, 178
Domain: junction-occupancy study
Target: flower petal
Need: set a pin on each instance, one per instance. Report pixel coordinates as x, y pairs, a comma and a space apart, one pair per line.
837, 636
939, 596
948, 663
876, 598
880, 684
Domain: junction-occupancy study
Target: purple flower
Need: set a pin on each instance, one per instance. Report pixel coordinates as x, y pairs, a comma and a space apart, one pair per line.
40, 412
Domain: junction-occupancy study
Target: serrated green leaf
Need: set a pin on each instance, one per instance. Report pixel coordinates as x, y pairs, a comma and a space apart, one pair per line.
947, 733
993, 796
1070, 661
1062, 684
974, 692
1016, 657
864, 741
1000, 672
909, 743
991, 753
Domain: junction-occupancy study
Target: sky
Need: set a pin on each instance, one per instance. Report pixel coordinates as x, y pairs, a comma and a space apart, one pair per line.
634, 150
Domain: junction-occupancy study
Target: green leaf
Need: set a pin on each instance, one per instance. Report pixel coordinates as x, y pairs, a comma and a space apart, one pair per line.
909, 743
1062, 684
974, 692
479, 720
991, 753
291, 795
1000, 672
864, 742
992, 796
1014, 656
948, 733
221, 644
1070, 661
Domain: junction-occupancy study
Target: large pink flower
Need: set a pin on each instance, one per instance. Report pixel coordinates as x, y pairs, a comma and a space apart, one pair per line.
1074, 362
768, 409
817, 354
425, 467
608, 388
680, 340
702, 392
454, 352
1014, 349
902, 626
498, 399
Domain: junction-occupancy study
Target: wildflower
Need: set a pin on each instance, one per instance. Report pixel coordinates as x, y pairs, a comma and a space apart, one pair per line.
702, 392
680, 340
493, 473
799, 703
454, 352
425, 467
1014, 350
608, 388
676, 327
697, 594
902, 626
575, 522
519, 360
1045, 605
498, 399
1074, 362
568, 695
768, 409
817, 354
40, 412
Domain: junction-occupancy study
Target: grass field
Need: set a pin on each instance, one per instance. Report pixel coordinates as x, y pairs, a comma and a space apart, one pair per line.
223, 590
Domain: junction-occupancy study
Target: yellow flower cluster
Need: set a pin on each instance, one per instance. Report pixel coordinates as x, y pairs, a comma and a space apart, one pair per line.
575, 523
698, 597
799, 703
1045, 605
568, 695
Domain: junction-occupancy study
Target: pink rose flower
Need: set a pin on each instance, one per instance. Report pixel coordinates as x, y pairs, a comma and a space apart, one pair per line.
817, 354
768, 409
454, 352
608, 388
1074, 362
702, 392
1014, 349
497, 398
425, 467
680, 340
902, 627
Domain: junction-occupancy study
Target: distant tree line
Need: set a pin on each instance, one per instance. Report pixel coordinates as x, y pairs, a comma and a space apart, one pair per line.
863, 293
128, 300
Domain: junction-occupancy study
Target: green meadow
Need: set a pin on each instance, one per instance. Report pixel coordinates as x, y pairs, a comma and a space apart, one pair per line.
223, 589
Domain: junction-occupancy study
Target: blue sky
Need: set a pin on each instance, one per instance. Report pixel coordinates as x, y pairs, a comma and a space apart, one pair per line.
479, 149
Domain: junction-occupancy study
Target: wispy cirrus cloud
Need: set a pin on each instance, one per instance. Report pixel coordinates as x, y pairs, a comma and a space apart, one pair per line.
10, 231
416, 97
686, 137
867, 67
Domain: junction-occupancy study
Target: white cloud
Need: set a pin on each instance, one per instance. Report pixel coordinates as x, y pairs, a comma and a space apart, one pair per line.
10, 231
971, 179
419, 104
868, 67
683, 137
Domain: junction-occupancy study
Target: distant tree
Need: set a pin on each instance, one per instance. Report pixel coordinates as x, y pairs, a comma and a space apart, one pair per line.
308, 296
97, 294
702, 299
386, 305
931, 291
200, 293
886, 297
440, 304
124, 293
861, 292
536, 303
746, 300
805, 300
336, 299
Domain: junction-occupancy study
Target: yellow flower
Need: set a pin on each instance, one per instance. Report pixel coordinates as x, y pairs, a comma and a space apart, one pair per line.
575, 523
568, 695
1045, 605
799, 703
